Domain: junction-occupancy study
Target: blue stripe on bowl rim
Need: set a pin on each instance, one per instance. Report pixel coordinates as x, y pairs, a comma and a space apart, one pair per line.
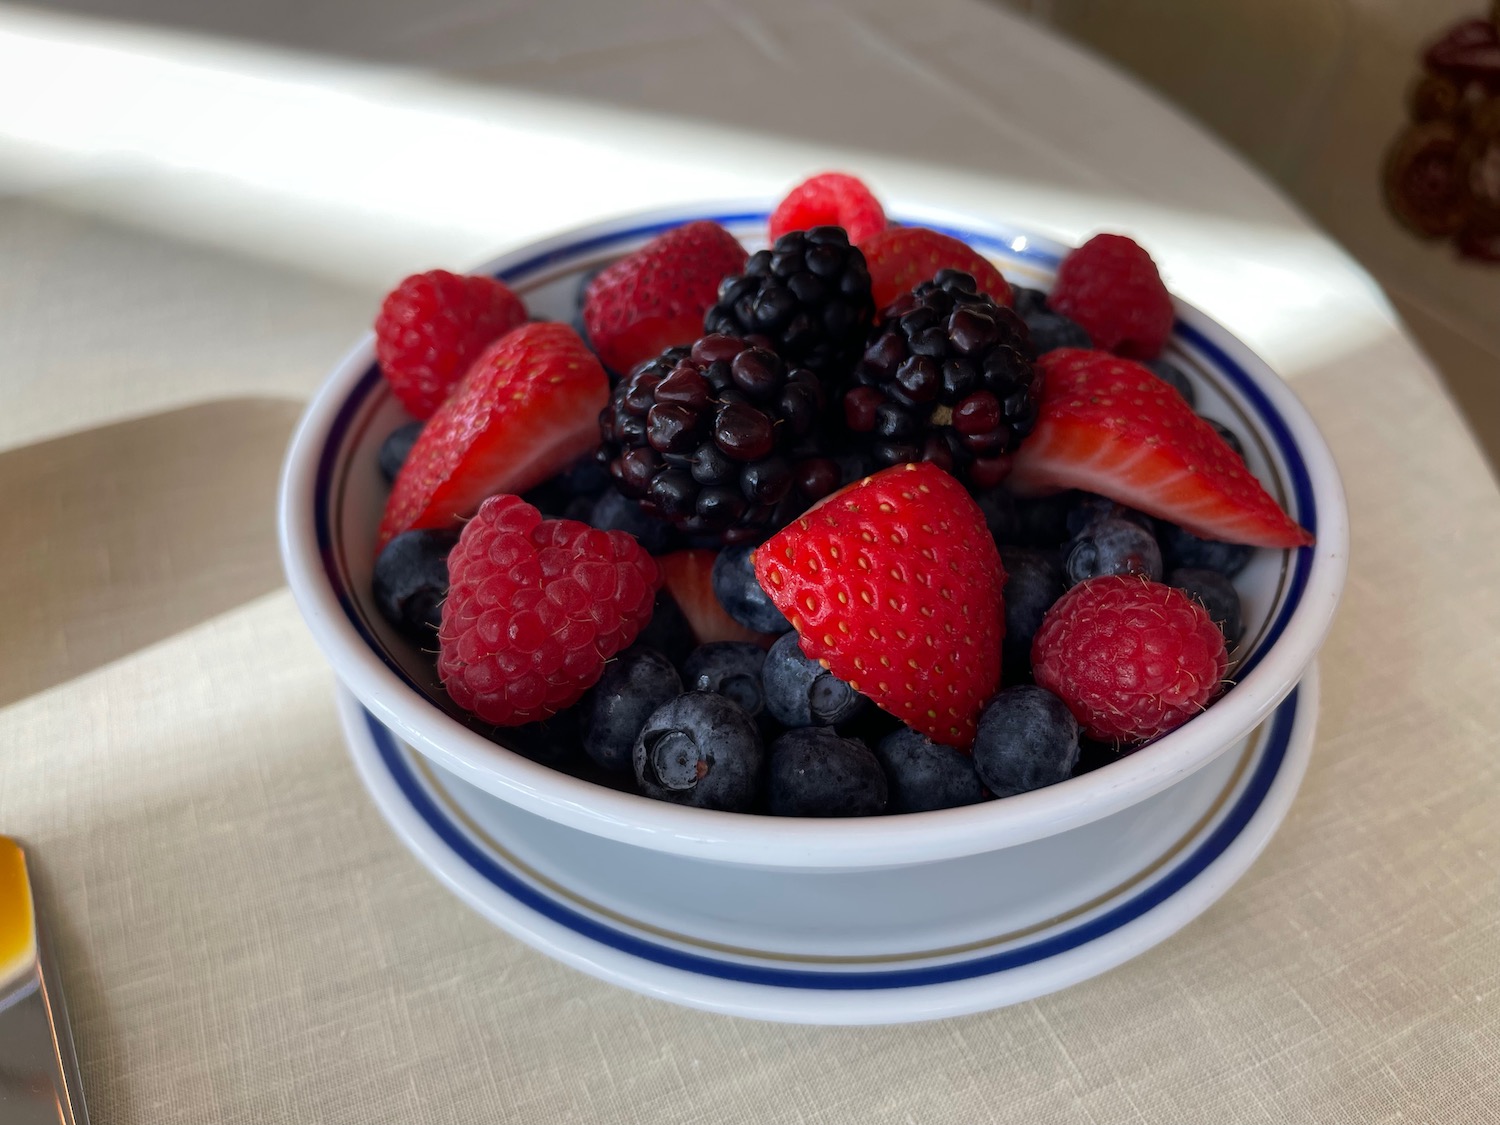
507, 882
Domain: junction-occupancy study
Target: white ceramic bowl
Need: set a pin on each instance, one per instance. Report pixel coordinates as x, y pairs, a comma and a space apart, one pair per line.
331, 499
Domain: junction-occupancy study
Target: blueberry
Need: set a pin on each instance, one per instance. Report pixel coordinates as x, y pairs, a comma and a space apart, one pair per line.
579, 509
1112, 546
740, 593
854, 466
395, 448
1218, 596
668, 630
616, 512
634, 685
700, 749
925, 775
552, 500
1169, 373
572, 492
550, 742
411, 581
1027, 739
1024, 300
800, 692
1183, 550
1049, 328
1088, 508
1033, 581
1043, 520
999, 508
1231, 438
730, 668
588, 476
1093, 754
816, 772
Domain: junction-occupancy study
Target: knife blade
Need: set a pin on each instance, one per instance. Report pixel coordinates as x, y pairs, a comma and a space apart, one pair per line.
39, 1081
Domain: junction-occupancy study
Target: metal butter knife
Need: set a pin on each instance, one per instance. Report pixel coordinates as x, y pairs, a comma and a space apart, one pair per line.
38, 1070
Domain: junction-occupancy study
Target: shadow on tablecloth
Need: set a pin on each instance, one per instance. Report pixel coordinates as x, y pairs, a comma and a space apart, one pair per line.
120, 536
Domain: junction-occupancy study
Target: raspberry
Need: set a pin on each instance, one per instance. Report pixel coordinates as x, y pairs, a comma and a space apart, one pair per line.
1131, 658
829, 199
1110, 286
432, 326
535, 608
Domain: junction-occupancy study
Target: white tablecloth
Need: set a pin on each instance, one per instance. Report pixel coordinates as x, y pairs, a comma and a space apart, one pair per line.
196, 223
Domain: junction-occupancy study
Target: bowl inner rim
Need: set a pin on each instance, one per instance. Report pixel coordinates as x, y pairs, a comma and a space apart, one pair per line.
347, 395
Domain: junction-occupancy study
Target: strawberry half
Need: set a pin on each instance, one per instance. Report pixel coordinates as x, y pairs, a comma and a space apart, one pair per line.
1108, 425
526, 409
901, 258
655, 298
688, 577
894, 585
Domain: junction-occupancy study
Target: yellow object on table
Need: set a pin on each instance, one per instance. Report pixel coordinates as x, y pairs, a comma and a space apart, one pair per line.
206, 223
17, 916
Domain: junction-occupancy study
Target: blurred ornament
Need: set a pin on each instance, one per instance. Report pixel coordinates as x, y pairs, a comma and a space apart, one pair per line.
1469, 52
1435, 98
1422, 182
1442, 172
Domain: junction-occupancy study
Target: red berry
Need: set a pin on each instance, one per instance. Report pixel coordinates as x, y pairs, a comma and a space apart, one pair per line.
528, 408
830, 199
1110, 286
1131, 658
534, 609
655, 298
432, 326
1108, 425
894, 583
901, 258
688, 577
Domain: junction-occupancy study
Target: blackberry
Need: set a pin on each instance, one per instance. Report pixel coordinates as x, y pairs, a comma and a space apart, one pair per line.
948, 379
718, 439
808, 296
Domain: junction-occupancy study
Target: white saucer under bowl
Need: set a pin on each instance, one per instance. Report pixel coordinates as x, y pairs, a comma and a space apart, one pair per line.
857, 946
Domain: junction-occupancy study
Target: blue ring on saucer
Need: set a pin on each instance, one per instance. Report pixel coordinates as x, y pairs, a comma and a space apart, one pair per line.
509, 883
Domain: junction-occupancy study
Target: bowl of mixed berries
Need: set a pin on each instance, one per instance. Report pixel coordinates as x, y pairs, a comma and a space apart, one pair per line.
807, 537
